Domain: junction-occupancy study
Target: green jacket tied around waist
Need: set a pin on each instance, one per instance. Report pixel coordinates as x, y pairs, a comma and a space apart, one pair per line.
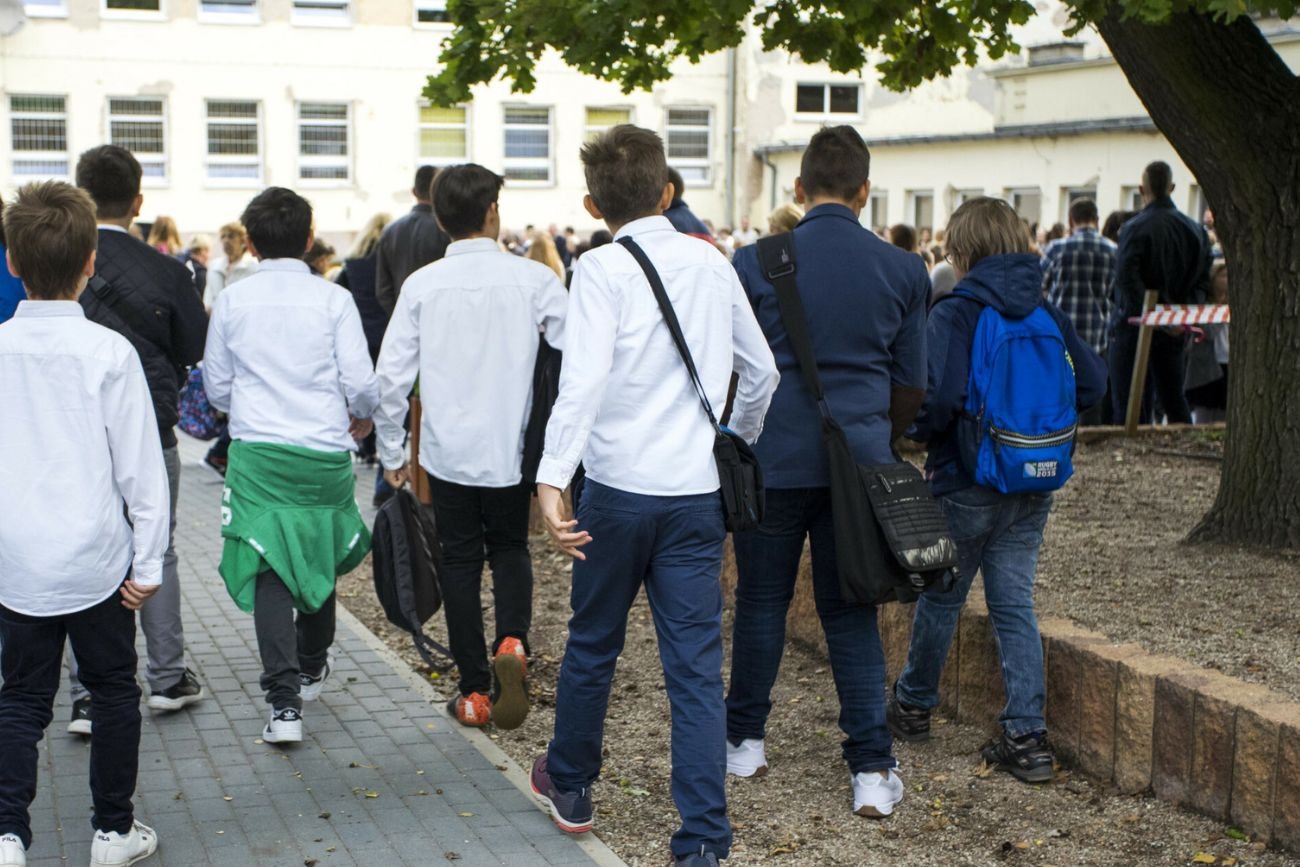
294, 511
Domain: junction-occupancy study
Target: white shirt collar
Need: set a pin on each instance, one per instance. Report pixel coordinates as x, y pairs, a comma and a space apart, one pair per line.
111, 227
657, 223
472, 245
284, 265
27, 307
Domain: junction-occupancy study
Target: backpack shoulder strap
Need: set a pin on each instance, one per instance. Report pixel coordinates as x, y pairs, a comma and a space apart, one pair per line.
777, 259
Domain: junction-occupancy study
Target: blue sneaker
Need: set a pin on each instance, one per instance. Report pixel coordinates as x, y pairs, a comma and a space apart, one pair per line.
697, 859
570, 810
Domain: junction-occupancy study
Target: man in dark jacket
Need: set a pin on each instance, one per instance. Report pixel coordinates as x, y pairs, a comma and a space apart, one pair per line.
997, 535
409, 243
1162, 249
150, 298
865, 302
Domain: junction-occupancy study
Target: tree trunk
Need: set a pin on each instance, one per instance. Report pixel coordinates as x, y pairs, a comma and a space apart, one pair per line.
1231, 109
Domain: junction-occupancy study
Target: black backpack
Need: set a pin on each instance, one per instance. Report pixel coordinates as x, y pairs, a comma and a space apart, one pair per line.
406, 561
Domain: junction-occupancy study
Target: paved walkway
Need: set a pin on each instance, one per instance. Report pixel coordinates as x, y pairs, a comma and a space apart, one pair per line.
382, 777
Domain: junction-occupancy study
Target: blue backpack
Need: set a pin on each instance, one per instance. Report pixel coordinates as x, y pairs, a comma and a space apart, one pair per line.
1021, 400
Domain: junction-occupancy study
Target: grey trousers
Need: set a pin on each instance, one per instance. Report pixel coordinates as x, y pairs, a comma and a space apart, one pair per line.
288, 645
160, 616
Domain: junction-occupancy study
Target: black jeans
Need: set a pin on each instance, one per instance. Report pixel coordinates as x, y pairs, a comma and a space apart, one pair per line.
1165, 373
474, 525
31, 661
288, 647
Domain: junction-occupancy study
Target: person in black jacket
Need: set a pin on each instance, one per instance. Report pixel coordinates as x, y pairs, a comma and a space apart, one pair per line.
1162, 249
149, 298
409, 243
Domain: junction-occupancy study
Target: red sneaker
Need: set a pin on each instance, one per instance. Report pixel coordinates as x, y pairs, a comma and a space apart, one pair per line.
474, 710
510, 706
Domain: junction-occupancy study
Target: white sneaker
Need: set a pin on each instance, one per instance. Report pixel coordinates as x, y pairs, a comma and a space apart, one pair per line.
309, 687
746, 760
12, 853
111, 849
285, 727
876, 794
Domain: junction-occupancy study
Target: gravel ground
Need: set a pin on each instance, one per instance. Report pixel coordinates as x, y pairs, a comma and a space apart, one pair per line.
1130, 507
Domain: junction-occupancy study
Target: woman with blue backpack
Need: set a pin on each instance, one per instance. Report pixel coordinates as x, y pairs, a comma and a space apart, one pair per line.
1007, 379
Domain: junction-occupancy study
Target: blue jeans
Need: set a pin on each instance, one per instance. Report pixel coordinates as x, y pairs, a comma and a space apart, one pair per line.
998, 535
767, 562
672, 545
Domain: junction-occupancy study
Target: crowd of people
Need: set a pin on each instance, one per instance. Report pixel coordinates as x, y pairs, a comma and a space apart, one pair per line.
441, 300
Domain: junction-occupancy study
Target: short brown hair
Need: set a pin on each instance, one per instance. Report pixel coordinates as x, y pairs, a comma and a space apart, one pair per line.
836, 163
985, 226
50, 227
626, 172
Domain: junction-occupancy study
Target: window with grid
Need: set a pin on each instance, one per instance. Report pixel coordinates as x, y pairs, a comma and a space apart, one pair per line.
431, 12
828, 99
136, 123
228, 10
322, 12
528, 143
234, 142
601, 119
38, 136
689, 144
444, 135
133, 5
45, 8
323, 132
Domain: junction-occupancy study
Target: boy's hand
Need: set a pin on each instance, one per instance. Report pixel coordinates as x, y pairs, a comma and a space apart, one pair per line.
562, 531
398, 477
360, 428
134, 595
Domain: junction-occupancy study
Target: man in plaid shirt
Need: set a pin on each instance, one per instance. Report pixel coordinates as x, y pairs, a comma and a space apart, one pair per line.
1079, 277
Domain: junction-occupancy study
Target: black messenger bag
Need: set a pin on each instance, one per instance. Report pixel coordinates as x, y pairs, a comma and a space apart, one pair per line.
891, 539
738, 470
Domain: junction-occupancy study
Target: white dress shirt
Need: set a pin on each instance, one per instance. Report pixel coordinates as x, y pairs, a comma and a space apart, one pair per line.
222, 274
79, 440
469, 325
627, 407
287, 359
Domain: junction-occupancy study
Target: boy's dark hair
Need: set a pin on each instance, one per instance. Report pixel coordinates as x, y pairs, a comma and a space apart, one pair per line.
112, 177
626, 172
1084, 212
462, 196
836, 163
278, 222
1159, 178
679, 185
902, 236
423, 184
51, 233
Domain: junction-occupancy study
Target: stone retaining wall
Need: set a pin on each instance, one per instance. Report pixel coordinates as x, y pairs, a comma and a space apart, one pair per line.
1194, 737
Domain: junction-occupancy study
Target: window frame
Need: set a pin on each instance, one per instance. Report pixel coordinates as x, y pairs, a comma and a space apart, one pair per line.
826, 114
252, 16
258, 160
38, 156
1011, 194
429, 25
161, 118
912, 215
159, 14
1069, 195
421, 126
706, 162
509, 162
348, 159
299, 19
590, 130
34, 10
881, 196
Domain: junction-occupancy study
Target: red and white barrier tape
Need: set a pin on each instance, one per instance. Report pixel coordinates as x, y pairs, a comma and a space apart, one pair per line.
1184, 314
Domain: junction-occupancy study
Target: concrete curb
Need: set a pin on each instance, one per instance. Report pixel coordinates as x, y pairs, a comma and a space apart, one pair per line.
590, 844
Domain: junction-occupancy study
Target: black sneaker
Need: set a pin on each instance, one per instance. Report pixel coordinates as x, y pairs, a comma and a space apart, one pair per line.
570, 810
1028, 759
696, 859
908, 723
185, 691
81, 722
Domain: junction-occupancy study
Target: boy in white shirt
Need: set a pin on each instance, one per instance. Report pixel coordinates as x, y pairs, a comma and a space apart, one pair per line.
651, 510
468, 325
79, 432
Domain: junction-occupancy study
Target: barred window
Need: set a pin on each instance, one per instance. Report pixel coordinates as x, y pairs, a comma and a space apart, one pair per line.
328, 12
229, 10
601, 119
234, 142
323, 147
38, 137
528, 143
689, 144
444, 135
133, 5
136, 123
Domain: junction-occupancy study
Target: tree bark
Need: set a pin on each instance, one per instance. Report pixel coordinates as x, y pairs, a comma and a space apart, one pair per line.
1231, 109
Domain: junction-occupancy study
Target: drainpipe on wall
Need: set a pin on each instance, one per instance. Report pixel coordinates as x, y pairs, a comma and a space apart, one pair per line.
730, 190
771, 166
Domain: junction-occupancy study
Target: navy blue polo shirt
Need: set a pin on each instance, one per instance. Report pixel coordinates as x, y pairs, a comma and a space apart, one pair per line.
866, 305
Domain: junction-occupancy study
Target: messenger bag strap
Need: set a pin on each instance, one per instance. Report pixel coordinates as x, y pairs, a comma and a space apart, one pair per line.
776, 256
670, 319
